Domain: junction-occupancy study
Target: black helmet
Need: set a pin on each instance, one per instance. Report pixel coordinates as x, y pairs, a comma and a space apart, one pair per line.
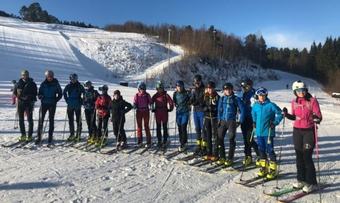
211, 84
228, 85
49, 73
25, 73
141, 86
73, 76
88, 83
160, 85
247, 82
104, 88
197, 78
116, 92
14, 82
180, 83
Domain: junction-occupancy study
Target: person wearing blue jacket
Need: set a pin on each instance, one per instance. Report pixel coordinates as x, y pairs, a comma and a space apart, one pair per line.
228, 107
49, 94
73, 94
266, 115
181, 100
248, 93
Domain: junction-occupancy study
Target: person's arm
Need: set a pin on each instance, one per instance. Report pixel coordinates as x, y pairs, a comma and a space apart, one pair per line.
170, 102
317, 116
278, 114
65, 93
59, 92
241, 107
127, 106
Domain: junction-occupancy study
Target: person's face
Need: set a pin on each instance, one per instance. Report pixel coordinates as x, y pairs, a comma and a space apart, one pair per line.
178, 88
141, 90
116, 96
262, 98
159, 90
197, 83
210, 90
49, 78
24, 76
73, 81
227, 92
301, 92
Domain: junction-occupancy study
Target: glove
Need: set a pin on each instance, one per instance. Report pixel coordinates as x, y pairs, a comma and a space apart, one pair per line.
272, 125
316, 119
40, 96
285, 111
254, 125
238, 124
153, 110
218, 123
169, 110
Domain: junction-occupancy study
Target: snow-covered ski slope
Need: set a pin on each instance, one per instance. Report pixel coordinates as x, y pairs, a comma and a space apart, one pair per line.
65, 174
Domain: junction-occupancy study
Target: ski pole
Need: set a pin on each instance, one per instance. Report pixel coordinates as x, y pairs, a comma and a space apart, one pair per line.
176, 129
280, 154
65, 125
134, 125
317, 157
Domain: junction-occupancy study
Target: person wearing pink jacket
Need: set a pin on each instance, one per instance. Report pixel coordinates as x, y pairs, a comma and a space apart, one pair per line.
306, 114
141, 103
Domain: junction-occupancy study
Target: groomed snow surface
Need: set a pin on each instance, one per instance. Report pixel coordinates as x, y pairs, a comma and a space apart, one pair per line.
65, 174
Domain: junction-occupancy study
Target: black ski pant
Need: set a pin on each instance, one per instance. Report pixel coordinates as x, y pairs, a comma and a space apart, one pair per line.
51, 108
118, 129
304, 143
224, 127
165, 132
90, 115
25, 108
210, 130
249, 141
70, 114
102, 127
183, 133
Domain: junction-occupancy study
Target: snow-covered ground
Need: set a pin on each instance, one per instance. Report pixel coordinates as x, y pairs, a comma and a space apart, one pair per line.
65, 174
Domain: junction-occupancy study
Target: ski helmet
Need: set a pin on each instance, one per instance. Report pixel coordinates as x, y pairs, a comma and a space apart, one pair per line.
159, 85
104, 88
141, 86
299, 85
211, 84
261, 92
180, 83
49, 73
88, 83
73, 76
25, 73
247, 82
228, 85
116, 92
197, 78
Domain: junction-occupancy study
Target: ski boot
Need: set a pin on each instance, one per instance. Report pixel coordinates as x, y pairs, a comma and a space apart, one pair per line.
71, 138
22, 138
182, 148
210, 157
228, 163
308, 188
198, 149
159, 145
263, 170
77, 138
272, 170
247, 161
221, 161
257, 162
29, 138
299, 184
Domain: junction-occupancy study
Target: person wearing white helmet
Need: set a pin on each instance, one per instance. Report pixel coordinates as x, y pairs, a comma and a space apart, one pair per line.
306, 113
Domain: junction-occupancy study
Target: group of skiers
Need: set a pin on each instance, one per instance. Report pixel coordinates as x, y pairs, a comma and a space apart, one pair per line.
214, 116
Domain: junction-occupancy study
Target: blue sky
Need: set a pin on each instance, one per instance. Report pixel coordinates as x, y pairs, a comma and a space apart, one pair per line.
283, 23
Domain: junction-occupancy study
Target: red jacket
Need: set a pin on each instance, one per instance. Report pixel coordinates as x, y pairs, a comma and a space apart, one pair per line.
103, 105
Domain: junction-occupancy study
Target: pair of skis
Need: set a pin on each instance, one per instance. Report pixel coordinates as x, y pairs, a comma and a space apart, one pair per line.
297, 193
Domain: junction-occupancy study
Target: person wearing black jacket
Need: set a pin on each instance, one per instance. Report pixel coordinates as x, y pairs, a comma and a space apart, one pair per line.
90, 97
49, 93
197, 100
73, 93
26, 93
119, 108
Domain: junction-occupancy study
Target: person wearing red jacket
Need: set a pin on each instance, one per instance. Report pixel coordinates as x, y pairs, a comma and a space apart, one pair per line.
306, 114
103, 106
141, 103
160, 102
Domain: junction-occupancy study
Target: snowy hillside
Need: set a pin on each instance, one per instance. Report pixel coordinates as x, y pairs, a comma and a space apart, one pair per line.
66, 174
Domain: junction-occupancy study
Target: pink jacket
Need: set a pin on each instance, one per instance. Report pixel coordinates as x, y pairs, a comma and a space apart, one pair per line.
304, 110
142, 101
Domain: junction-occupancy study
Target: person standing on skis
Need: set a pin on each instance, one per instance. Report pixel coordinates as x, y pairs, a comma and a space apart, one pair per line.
160, 102
306, 114
197, 100
49, 94
228, 107
119, 107
25, 91
211, 99
73, 94
248, 93
181, 100
141, 103
89, 100
266, 115
103, 106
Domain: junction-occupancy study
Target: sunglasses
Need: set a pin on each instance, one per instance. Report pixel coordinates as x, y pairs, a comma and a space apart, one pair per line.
302, 90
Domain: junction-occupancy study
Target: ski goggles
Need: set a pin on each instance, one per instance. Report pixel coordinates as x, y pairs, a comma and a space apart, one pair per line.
301, 90
261, 92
